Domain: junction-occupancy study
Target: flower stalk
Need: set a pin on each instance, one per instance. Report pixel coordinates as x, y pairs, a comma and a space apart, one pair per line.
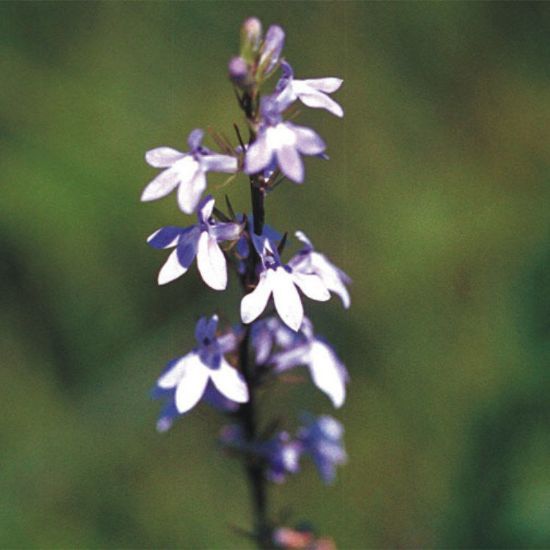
227, 367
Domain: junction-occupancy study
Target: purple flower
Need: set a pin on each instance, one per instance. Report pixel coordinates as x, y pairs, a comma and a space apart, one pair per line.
275, 344
321, 439
281, 281
311, 92
200, 240
280, 453
186, 170
308, 261
186, 379
281, 142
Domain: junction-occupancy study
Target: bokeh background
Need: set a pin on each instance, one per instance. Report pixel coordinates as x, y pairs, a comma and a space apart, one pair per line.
436, 202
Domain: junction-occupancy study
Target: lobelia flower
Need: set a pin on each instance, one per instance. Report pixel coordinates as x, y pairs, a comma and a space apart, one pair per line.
280, 281
310, 261
311, 92
282, 142
204, 369
186, 170
280, 453
200, 240
321, 439
328, 373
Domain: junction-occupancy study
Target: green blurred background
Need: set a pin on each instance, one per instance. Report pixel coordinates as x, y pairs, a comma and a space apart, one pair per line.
435, 201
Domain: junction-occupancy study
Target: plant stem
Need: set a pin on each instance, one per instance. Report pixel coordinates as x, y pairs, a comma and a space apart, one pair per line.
254, 467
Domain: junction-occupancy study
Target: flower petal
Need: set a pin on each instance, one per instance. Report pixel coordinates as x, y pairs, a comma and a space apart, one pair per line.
333, 277
258, 155
219, 163
253, 304
163, 184
327, 373
327, 85
194, 138
225, 231
286, 298
189, 193
308, 142
290, 163
165, 237
230, 382
171, 270
191, 385
321, 101
312, 286
175, 372
211, 262
187, 246
162, 157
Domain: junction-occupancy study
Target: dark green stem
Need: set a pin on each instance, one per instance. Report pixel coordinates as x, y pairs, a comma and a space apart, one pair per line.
248, 412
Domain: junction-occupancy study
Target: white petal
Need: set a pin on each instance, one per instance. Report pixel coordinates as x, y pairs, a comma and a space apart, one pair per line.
230, 382
162, 157
327, 372
286, 298
163, 184
322, 101
290, 163
258, 155
308, 142
189, 193
253, 304
328, 85
312, 286
192, 385
172, 376
171, 269
219, 163
211, 262
331, 276
281, 135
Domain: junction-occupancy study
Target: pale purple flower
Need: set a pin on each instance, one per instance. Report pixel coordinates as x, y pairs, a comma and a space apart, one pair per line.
186, 170
186, 379
321, 439
282, 282
282, 142
280, 453
311, 92
200, 240
301, 348
309, 261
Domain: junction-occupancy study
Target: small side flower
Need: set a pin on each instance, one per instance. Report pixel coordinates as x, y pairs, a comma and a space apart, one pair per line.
200, 241
187, 171
203, 370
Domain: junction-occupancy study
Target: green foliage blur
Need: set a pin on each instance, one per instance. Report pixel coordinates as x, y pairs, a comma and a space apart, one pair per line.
436, 201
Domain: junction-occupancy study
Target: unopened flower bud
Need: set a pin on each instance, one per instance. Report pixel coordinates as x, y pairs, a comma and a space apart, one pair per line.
271, 49
251, 36
239, 72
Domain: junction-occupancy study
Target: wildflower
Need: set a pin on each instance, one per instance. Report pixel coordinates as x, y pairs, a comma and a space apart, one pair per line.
186, 170
280, 453
280, 280
311, 92
188, 377
327, 371
200, 240
322, 440
310, 261
281, 141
